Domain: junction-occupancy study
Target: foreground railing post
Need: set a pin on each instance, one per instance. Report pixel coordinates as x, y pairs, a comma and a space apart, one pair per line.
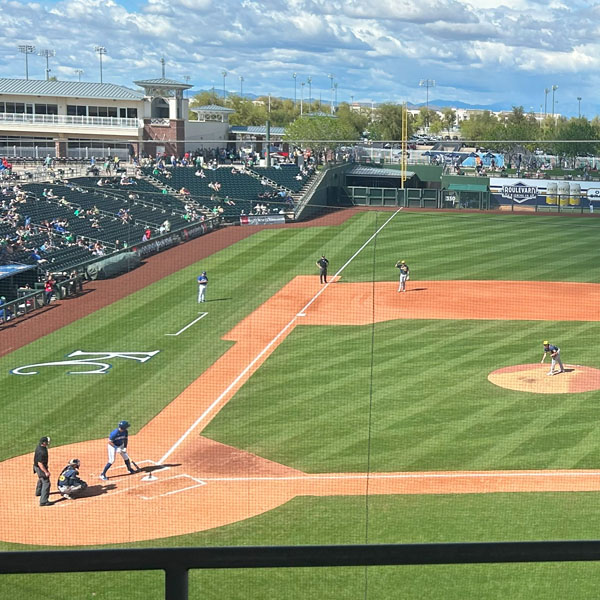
176, 583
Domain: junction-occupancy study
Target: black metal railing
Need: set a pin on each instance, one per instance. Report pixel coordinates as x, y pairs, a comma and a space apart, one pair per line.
177, 562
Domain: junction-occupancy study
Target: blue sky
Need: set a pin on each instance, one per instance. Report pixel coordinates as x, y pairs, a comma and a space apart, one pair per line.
481, 52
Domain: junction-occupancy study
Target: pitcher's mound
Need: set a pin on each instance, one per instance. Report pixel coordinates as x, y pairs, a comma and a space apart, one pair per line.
535, 378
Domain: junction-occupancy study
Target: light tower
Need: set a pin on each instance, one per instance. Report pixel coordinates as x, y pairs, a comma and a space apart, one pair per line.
427, 83
554, 88
47, 54
294, 75
100, 51
26, 49
224, 73
309, 81
79, 74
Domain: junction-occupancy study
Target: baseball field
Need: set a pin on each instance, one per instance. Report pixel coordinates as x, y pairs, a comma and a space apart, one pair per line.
282, 411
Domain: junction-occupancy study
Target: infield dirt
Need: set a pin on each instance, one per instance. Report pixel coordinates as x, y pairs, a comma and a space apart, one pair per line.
201, 484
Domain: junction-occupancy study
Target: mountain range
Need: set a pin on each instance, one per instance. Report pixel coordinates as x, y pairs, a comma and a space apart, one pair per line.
433, 104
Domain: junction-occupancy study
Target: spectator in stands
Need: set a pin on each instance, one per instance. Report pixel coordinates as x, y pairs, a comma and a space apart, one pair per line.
200, 173
5, 314
49, 289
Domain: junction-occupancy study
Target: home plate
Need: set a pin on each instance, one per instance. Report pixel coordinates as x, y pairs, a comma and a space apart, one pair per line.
172, 485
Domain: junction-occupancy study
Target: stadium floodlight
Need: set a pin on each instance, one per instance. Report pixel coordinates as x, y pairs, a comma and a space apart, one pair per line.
554, 88
100, 51
26, 49
309, 81
579, 107
331, 77
47, 54
224, 73
79, 74
546, 92
241, 86
427, 83
302, 98
294, 75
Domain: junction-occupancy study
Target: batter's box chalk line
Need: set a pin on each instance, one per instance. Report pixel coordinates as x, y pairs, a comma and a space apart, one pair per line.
199, 483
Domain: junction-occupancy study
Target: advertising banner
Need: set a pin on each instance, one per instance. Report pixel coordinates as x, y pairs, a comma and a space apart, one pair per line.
262, 219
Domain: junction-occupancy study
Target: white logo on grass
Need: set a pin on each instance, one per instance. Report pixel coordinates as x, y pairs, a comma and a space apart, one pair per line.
93, 359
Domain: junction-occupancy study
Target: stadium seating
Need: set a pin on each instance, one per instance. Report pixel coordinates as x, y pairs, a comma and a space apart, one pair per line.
240, 188
284, 176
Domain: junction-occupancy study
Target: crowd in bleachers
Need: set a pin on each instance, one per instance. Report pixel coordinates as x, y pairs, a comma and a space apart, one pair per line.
231, 190
38, 238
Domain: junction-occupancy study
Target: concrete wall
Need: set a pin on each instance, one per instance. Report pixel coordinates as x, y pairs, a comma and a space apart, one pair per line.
205, 134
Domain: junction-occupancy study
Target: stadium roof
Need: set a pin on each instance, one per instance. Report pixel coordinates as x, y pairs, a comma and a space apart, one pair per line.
468, 187
212, 108
257, 129
163, 82
68, 89
365, 171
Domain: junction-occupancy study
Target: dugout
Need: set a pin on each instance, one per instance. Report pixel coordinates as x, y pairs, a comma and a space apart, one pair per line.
465, 192
379, 186
15, 276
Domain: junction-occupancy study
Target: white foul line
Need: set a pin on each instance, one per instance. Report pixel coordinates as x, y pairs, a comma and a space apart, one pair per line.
455, 475
264, 351
202, 315
302, 313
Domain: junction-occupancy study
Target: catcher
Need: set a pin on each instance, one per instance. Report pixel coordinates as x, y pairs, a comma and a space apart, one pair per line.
69, 481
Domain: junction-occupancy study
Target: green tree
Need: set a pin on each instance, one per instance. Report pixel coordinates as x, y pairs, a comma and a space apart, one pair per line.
359, 122
388, 123
575, 137
480, 126
204, 99
246, 112
320, 133
448, 118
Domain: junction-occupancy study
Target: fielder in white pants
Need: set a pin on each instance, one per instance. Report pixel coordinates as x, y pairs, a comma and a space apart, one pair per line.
202, 283
555, 355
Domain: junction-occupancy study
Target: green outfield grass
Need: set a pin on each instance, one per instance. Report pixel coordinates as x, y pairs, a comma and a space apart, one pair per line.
400, 395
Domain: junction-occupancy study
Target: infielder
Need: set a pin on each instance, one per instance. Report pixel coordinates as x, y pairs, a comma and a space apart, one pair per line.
117, 444
202, 283
404, 275
555, 354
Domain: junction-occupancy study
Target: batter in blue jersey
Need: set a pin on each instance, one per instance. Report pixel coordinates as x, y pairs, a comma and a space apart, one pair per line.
117, 444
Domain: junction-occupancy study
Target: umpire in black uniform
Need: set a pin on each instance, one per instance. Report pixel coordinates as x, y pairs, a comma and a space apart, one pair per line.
323, 264
40, 468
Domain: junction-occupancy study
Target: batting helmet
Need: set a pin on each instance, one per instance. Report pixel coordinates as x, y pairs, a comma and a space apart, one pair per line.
546, 342
123, 424
402, 262
45, 439
75, 462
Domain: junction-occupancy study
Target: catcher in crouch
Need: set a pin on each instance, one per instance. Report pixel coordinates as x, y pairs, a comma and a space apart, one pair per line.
69, 481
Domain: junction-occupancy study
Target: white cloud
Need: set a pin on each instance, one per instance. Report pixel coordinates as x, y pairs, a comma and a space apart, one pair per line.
480, 49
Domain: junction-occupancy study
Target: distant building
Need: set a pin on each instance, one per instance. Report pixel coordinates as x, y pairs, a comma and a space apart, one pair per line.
74, 119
